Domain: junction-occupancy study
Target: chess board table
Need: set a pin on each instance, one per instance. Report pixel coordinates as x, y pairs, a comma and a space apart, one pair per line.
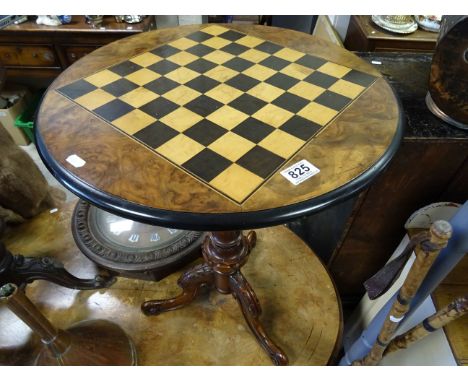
192, 127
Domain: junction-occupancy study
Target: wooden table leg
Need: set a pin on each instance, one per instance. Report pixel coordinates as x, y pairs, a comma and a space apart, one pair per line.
224, 252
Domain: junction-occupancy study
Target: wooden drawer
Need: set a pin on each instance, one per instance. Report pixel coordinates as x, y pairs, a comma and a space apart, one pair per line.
28, 55
74, 53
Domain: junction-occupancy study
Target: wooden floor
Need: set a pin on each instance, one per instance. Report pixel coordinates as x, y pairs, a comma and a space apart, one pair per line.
455, 285
300, 306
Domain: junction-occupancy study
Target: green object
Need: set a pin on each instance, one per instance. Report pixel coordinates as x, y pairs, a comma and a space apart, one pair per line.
25, 120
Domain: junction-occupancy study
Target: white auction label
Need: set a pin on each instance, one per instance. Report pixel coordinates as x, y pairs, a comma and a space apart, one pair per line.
299, 172
76, 161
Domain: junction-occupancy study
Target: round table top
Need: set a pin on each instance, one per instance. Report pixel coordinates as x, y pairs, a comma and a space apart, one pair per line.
198, 127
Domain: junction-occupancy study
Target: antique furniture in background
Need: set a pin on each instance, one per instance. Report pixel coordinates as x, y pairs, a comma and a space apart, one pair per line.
430, 166
88, 343
233, 181
198, 334
33, 51
365, 36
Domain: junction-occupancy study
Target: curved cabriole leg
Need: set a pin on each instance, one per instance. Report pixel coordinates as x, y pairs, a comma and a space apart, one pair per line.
22, 270
190, 282
250, 306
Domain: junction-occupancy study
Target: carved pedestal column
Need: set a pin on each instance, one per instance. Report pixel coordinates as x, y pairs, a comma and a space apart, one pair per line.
225, 252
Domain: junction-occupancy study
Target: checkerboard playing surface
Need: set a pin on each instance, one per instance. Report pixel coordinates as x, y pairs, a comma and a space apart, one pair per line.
226, 107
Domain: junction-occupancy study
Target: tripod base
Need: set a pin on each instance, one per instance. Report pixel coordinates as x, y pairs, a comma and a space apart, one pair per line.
224, 253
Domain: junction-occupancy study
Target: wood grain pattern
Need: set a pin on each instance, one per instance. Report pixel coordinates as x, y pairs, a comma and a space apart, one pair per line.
300, 304
351, 144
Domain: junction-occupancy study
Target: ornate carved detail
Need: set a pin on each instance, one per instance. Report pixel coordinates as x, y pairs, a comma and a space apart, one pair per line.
84, 237
224, 253
190, 282
20, 270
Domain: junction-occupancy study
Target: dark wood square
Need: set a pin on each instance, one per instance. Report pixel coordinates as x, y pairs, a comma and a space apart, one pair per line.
120, 87
165, 51
161, 85
163, 67
199, 36
231, 35
201, 65
203, 105
359, 78
332, 100
260, 161
275, 63
202, 83
125, 68
247, 104
282, 81
205, 132
321, 79
242, 82
234, 48
77, 89
311, 61
268, 47
200, 50
238, 64
300, 127
156, 134
159, 107
207, 165
113, 110
253, 130
290, 102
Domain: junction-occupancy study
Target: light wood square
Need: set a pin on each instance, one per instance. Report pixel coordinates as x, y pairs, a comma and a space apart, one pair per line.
265, 92
334, 70
216, 42
94, 99
180, 149
218, 57
231, 146
221, 73
224, 93
273, 115
182, 43
281, 143
289, 54
182, 58
297, 71
346, 88
253, 55
237, 182
250, 41
143, 76
227, 117
306, 90
259, 72
134, 121
182, 75
181, 119
102, 78
138, 97
146, 59
317, 113
215, 30
181, 95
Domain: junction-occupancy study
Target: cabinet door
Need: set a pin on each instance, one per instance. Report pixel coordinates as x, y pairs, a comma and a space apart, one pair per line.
28, 55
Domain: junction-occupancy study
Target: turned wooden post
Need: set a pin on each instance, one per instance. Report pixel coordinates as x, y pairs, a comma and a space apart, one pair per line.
426, 253
449, 313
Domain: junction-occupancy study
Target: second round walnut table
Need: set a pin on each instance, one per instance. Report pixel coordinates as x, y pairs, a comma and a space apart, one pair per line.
218, 128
